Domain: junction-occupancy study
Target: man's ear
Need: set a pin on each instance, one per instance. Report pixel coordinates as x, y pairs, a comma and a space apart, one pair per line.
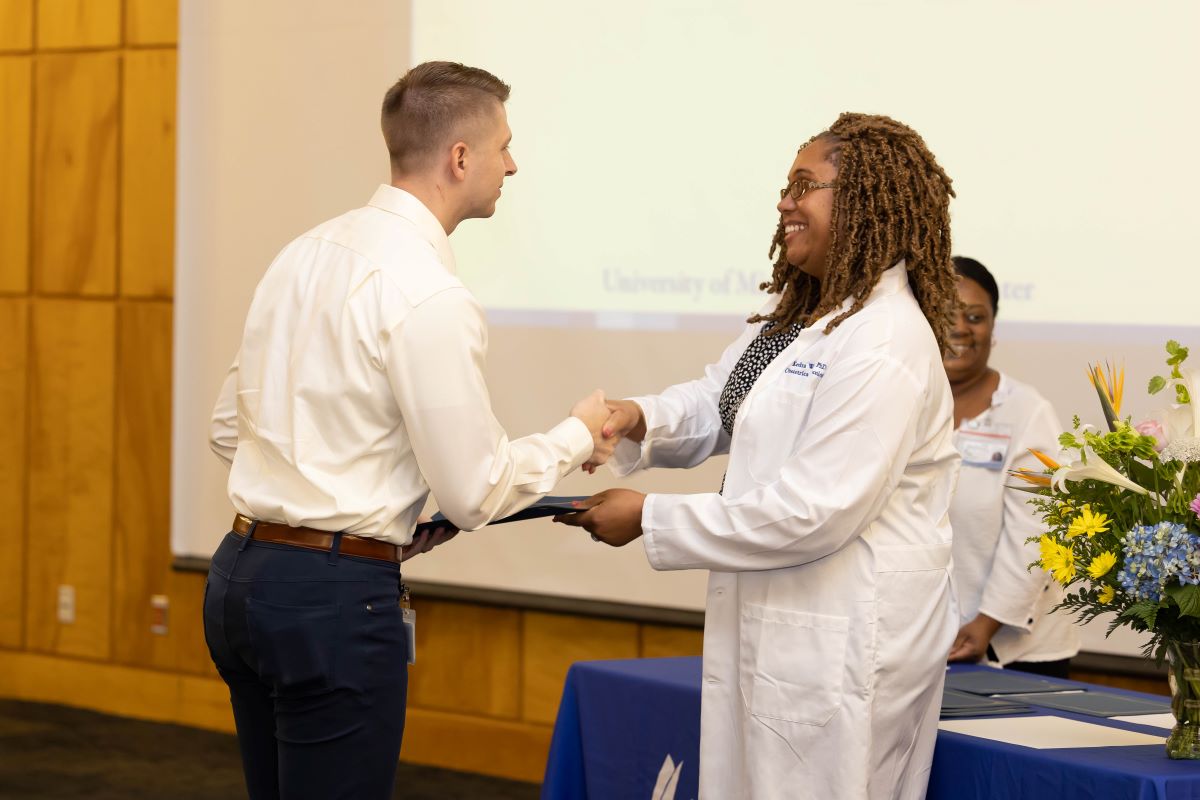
458, 160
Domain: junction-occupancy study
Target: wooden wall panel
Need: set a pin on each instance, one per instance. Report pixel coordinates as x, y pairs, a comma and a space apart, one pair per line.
141, 541
669, 641
113, 689
186, 590
78, 23
1134, 684
142, 552
148, 173
16, 25
75, 173
553, 642
14, 317
512, 750
70, 475
16, 85
151, 22
468, 659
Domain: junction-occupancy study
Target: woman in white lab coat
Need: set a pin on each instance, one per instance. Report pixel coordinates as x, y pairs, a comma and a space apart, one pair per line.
829, 609
1005, 609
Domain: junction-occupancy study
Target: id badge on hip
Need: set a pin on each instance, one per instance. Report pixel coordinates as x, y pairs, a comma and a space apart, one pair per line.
408, 616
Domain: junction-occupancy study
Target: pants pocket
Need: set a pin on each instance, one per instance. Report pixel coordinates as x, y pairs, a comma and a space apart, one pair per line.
793, 663
295, 646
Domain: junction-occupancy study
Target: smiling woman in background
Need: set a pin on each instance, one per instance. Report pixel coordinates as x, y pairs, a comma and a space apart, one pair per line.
1004, 607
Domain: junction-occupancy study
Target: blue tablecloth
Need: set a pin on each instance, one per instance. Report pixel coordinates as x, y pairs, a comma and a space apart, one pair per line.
620, 722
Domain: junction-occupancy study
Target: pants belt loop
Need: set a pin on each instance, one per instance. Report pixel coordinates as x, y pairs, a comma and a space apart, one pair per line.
249, 535
335, 549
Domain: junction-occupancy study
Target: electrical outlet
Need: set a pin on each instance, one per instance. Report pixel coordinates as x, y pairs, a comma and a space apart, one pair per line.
66, 604
160, 605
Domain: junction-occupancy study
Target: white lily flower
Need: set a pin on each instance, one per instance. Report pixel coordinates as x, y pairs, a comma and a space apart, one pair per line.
1190, 380
1093, 467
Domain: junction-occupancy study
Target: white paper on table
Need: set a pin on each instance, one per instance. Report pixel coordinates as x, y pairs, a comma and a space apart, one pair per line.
1155, 720
1046, 733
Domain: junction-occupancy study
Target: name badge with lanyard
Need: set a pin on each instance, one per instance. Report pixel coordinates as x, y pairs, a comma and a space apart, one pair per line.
982, 444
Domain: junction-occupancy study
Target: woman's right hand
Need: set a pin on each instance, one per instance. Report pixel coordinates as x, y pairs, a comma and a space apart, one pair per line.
625, 421
972, 641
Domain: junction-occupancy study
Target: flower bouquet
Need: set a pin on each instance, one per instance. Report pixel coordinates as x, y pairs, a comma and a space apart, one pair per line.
1122, 528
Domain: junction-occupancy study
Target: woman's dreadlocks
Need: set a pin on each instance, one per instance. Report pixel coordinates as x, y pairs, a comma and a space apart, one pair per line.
891, 202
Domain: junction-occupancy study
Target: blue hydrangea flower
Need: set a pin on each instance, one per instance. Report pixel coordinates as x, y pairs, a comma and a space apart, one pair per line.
1156, 556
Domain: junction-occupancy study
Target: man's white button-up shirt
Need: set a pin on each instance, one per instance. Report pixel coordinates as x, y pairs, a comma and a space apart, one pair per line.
359, 388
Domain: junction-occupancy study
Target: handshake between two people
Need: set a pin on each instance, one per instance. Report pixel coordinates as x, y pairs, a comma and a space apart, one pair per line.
609, 421
613, 516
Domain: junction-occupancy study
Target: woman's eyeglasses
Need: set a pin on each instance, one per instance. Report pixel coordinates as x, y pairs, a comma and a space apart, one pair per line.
802, 186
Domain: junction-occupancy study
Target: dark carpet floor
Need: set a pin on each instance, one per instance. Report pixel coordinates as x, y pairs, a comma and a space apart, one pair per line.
56, 753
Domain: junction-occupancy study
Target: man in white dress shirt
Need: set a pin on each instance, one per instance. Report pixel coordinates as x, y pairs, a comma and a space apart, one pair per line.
357, 390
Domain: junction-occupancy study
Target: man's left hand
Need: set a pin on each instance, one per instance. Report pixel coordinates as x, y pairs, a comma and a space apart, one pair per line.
613, 516
424, 542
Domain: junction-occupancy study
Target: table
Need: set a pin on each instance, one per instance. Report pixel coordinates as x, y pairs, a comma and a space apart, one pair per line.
620, 721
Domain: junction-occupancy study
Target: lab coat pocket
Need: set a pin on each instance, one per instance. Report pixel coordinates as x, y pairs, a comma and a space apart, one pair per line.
793, 663
771, 433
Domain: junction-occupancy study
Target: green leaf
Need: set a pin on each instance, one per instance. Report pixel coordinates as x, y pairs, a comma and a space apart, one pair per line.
1141, 474
1181, 394
1145, 611
1156, 384
1067, 440
1187, 598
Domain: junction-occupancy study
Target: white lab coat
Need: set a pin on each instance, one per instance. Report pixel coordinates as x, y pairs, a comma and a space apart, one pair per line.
829, 610
992, 527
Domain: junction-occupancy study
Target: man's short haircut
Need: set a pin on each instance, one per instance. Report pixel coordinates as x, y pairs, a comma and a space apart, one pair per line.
432, 103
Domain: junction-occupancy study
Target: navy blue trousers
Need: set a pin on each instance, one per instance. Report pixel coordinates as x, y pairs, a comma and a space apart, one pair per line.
314, 650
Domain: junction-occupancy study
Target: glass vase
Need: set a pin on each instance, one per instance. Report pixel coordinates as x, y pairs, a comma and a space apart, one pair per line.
1183, 658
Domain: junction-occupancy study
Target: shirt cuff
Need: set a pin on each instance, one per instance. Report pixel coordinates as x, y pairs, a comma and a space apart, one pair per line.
1021, 619
650, 541
576, 437
627, 457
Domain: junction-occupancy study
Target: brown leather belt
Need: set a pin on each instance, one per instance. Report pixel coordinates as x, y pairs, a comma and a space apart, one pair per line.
313, 539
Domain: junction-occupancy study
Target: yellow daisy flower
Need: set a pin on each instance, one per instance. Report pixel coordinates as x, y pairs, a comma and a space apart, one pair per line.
1106, 595
1059, 561
1087, 522
1048, 548
1101, 565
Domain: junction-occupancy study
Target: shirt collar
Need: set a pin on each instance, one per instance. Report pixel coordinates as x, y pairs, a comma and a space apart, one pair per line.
1003, 390
892, 280
408, 207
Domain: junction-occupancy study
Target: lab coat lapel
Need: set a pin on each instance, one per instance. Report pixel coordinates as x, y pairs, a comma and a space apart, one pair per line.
890, 282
